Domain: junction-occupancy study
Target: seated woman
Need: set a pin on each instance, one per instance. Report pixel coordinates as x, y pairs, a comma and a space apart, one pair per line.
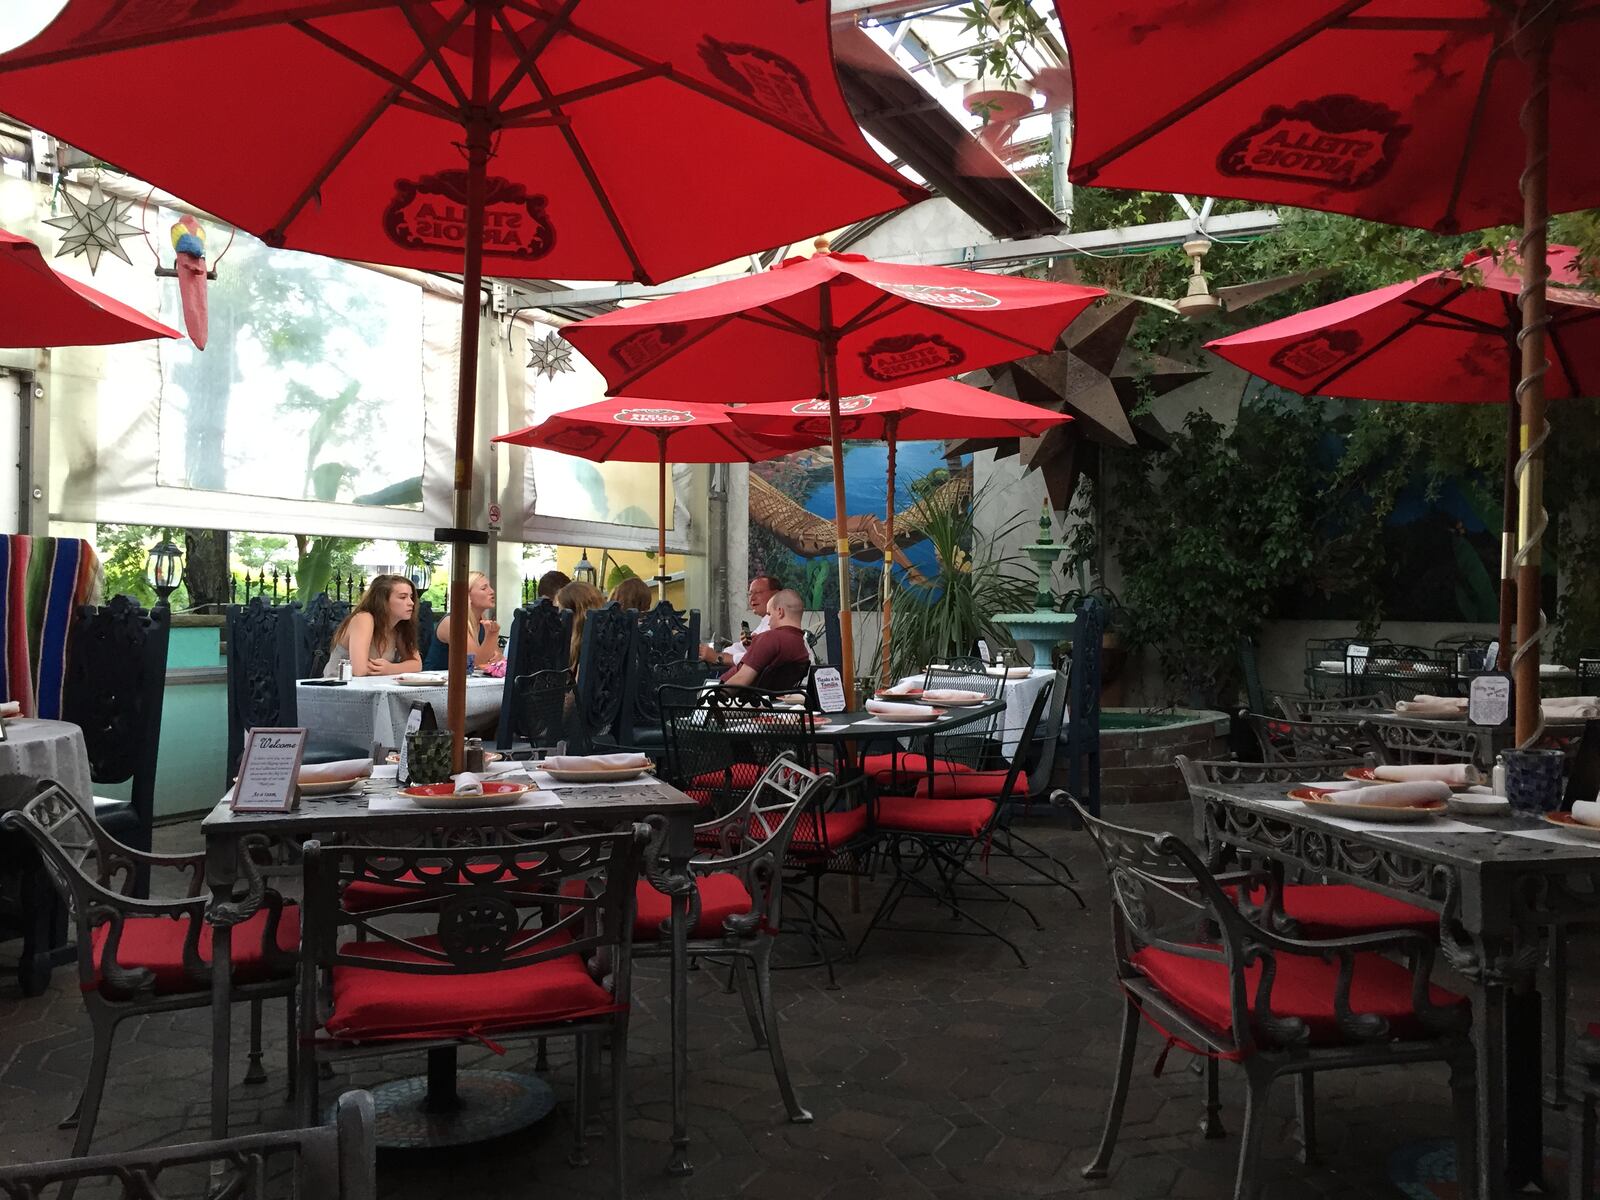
633, 593
483, 635
380, 636
578, 598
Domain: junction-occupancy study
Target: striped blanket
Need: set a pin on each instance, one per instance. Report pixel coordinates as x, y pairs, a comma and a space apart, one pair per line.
42, 582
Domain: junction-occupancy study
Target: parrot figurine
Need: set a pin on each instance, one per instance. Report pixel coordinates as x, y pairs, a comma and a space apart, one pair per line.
189, 240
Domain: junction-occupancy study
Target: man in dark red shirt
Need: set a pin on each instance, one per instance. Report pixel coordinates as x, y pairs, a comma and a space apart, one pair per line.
779, 658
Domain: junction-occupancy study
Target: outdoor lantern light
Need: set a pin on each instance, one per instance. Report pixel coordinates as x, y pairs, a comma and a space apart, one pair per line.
585, 571
164, 570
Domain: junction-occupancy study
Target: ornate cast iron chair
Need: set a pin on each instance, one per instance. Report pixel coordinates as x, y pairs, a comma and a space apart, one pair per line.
925, 835
137, 956
1192, 965
488, 942
736, 909
1330, 651
958, 753
1324, 738
1585, 1091
640, 727
1314, 708
328, 1162
322, 619
539, 705
540, 636
605, 659
1424, 744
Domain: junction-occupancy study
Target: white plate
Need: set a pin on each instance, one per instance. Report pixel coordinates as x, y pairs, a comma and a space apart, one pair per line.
1329, 803
1467, 805
614, 775
960, 703
1563, 820
497, 799
331, 787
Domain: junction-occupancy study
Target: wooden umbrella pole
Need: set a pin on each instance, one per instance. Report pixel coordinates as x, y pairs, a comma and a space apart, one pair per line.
888, 551
661, 516
1532, 41
827, 348
1508, 529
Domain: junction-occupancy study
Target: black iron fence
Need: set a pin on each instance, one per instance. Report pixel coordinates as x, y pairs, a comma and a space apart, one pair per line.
278, 584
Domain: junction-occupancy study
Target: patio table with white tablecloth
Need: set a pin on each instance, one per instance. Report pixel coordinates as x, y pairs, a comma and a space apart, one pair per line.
1019, 695
372, 709
35, 750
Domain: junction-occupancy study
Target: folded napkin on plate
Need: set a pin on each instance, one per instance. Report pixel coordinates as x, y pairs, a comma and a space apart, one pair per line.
468, 784
952, 696
1009, 672
911, 687
1460, 774
1571, 712
424, 677
1398, 795
1433, 706
1337, 785
901, 712
1586, 812
10, 708
336, 772
596, 762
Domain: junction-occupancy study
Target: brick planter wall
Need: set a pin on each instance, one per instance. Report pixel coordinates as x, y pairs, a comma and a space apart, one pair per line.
1136, 764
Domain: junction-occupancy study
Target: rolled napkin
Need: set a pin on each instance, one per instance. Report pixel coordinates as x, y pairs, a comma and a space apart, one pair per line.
1337, 785
1571, 712
906, 687
952, 696
1457, 774
1009, 672
428, 677
468, 784
596, 762
1399, 795
1586, 812
899, 712
10, 708
336, 772
1433, 706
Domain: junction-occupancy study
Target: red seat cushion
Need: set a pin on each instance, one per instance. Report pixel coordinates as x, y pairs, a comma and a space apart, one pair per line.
919, 814
837, 829
886, 769
722, 894
970, 785
372, 1004
156, 943
1334, 910
1303, 988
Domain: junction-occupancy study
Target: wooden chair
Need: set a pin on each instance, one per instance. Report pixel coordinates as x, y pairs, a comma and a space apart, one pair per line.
1194, 966
540, 640
605, 663
328, 1162
323, 617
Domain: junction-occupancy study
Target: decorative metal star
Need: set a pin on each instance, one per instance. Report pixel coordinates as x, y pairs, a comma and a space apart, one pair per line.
550, 356
94, 226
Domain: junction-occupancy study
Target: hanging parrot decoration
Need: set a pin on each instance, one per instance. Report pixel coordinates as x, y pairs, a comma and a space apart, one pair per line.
189, 240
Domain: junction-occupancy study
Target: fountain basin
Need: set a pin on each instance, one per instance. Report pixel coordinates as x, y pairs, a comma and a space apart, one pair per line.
1041, 629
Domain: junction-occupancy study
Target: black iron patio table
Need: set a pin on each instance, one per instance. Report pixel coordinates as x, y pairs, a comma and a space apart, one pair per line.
236, 843
1496, 891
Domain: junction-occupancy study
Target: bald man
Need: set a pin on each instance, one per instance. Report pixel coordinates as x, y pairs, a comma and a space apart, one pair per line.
779, 658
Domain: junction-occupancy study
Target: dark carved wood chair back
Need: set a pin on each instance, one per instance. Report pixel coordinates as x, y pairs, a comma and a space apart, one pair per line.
605, 662
322, 618
540, 704
427, 627
667, 635
115, 681
540, 640
641, 713
267, 652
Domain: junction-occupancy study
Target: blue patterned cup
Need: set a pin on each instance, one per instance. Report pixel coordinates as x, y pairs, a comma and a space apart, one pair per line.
1534, 780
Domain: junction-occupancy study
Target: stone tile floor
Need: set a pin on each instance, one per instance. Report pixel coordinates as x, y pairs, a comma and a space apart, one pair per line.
938, 1068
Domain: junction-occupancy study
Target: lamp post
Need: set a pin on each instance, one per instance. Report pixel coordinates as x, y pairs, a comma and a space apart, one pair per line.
164, 570
585, 571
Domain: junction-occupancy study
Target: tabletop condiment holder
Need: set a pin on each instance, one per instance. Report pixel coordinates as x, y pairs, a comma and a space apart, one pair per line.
1534, 780
428, 756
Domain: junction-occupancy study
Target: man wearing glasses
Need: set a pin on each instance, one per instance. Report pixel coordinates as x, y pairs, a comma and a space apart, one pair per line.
762, 589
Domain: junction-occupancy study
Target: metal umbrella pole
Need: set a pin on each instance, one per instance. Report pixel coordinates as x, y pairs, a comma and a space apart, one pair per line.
887, 603
827, 350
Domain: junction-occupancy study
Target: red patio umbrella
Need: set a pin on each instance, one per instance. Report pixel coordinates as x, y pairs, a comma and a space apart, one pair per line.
635, 431
39, 306
571, 139
821, 328
922, 412
1448, 337
1442, 114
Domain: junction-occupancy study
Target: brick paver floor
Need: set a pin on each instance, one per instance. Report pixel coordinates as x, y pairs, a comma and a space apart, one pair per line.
938, 1068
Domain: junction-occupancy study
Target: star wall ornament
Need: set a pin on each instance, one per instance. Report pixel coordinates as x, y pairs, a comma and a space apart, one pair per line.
93, 226
1095, 377
550, 356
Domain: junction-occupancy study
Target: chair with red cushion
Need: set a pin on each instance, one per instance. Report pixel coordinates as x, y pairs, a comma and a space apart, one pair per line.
937, 760
1586, 1096
1214, 982
498, 945
929, 840
142, 956
735, 911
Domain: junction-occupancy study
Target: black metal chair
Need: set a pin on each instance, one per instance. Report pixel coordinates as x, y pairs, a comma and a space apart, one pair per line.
427, 628
540, 706
605, 662
639, 727
525, 939
323, 617
1403, 671
329, 1162
959, 752
1323, 738
1315, 708
1213, 982
137, 956
540, 640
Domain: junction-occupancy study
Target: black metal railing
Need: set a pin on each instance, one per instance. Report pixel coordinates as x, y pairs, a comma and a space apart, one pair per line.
278, 584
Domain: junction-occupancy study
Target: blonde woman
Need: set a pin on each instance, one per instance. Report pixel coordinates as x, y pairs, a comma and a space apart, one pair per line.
578, 599
483, 633
380, 636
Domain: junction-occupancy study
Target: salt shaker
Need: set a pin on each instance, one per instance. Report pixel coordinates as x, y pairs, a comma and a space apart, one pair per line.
472, 755
347, 672
1497, 778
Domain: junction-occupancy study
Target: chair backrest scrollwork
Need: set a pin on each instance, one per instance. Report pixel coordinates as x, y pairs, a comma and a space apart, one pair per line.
605, 661
322, 619
540, 640
266, 654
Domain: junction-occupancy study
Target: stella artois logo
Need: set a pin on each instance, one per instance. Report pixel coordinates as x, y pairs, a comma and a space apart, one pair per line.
1318, 354
431, 214
638, 350
892, 358
657, 418
769, 81
1340, 142
819, 408
124, 17
941, 297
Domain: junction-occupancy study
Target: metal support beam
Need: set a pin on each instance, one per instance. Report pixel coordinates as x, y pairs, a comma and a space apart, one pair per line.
990, 255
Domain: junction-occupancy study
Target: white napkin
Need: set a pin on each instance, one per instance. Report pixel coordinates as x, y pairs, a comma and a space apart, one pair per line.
10, 708
1572, 707
1460, 774
909, 687
336, 772
952, 696
424, 677
468, 784
1009, 672
1433, 706
1399, 795
1337, 785
1586, 812
899, 712
596, 762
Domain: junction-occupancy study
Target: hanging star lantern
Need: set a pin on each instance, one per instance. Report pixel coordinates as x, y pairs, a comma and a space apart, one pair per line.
550, 356
93, 226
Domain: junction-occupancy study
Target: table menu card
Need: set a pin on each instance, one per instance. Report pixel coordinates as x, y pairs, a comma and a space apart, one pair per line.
269, 771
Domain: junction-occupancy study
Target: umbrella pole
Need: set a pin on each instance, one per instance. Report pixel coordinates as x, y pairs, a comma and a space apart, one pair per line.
827, 349
1532, 40
1508, 529
661, 517
888, 552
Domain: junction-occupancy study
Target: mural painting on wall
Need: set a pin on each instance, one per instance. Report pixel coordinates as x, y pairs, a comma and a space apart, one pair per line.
792, 516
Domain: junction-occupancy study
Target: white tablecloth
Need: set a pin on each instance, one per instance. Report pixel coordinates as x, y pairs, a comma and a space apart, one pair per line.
35, 750
1019, 696
373, 709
